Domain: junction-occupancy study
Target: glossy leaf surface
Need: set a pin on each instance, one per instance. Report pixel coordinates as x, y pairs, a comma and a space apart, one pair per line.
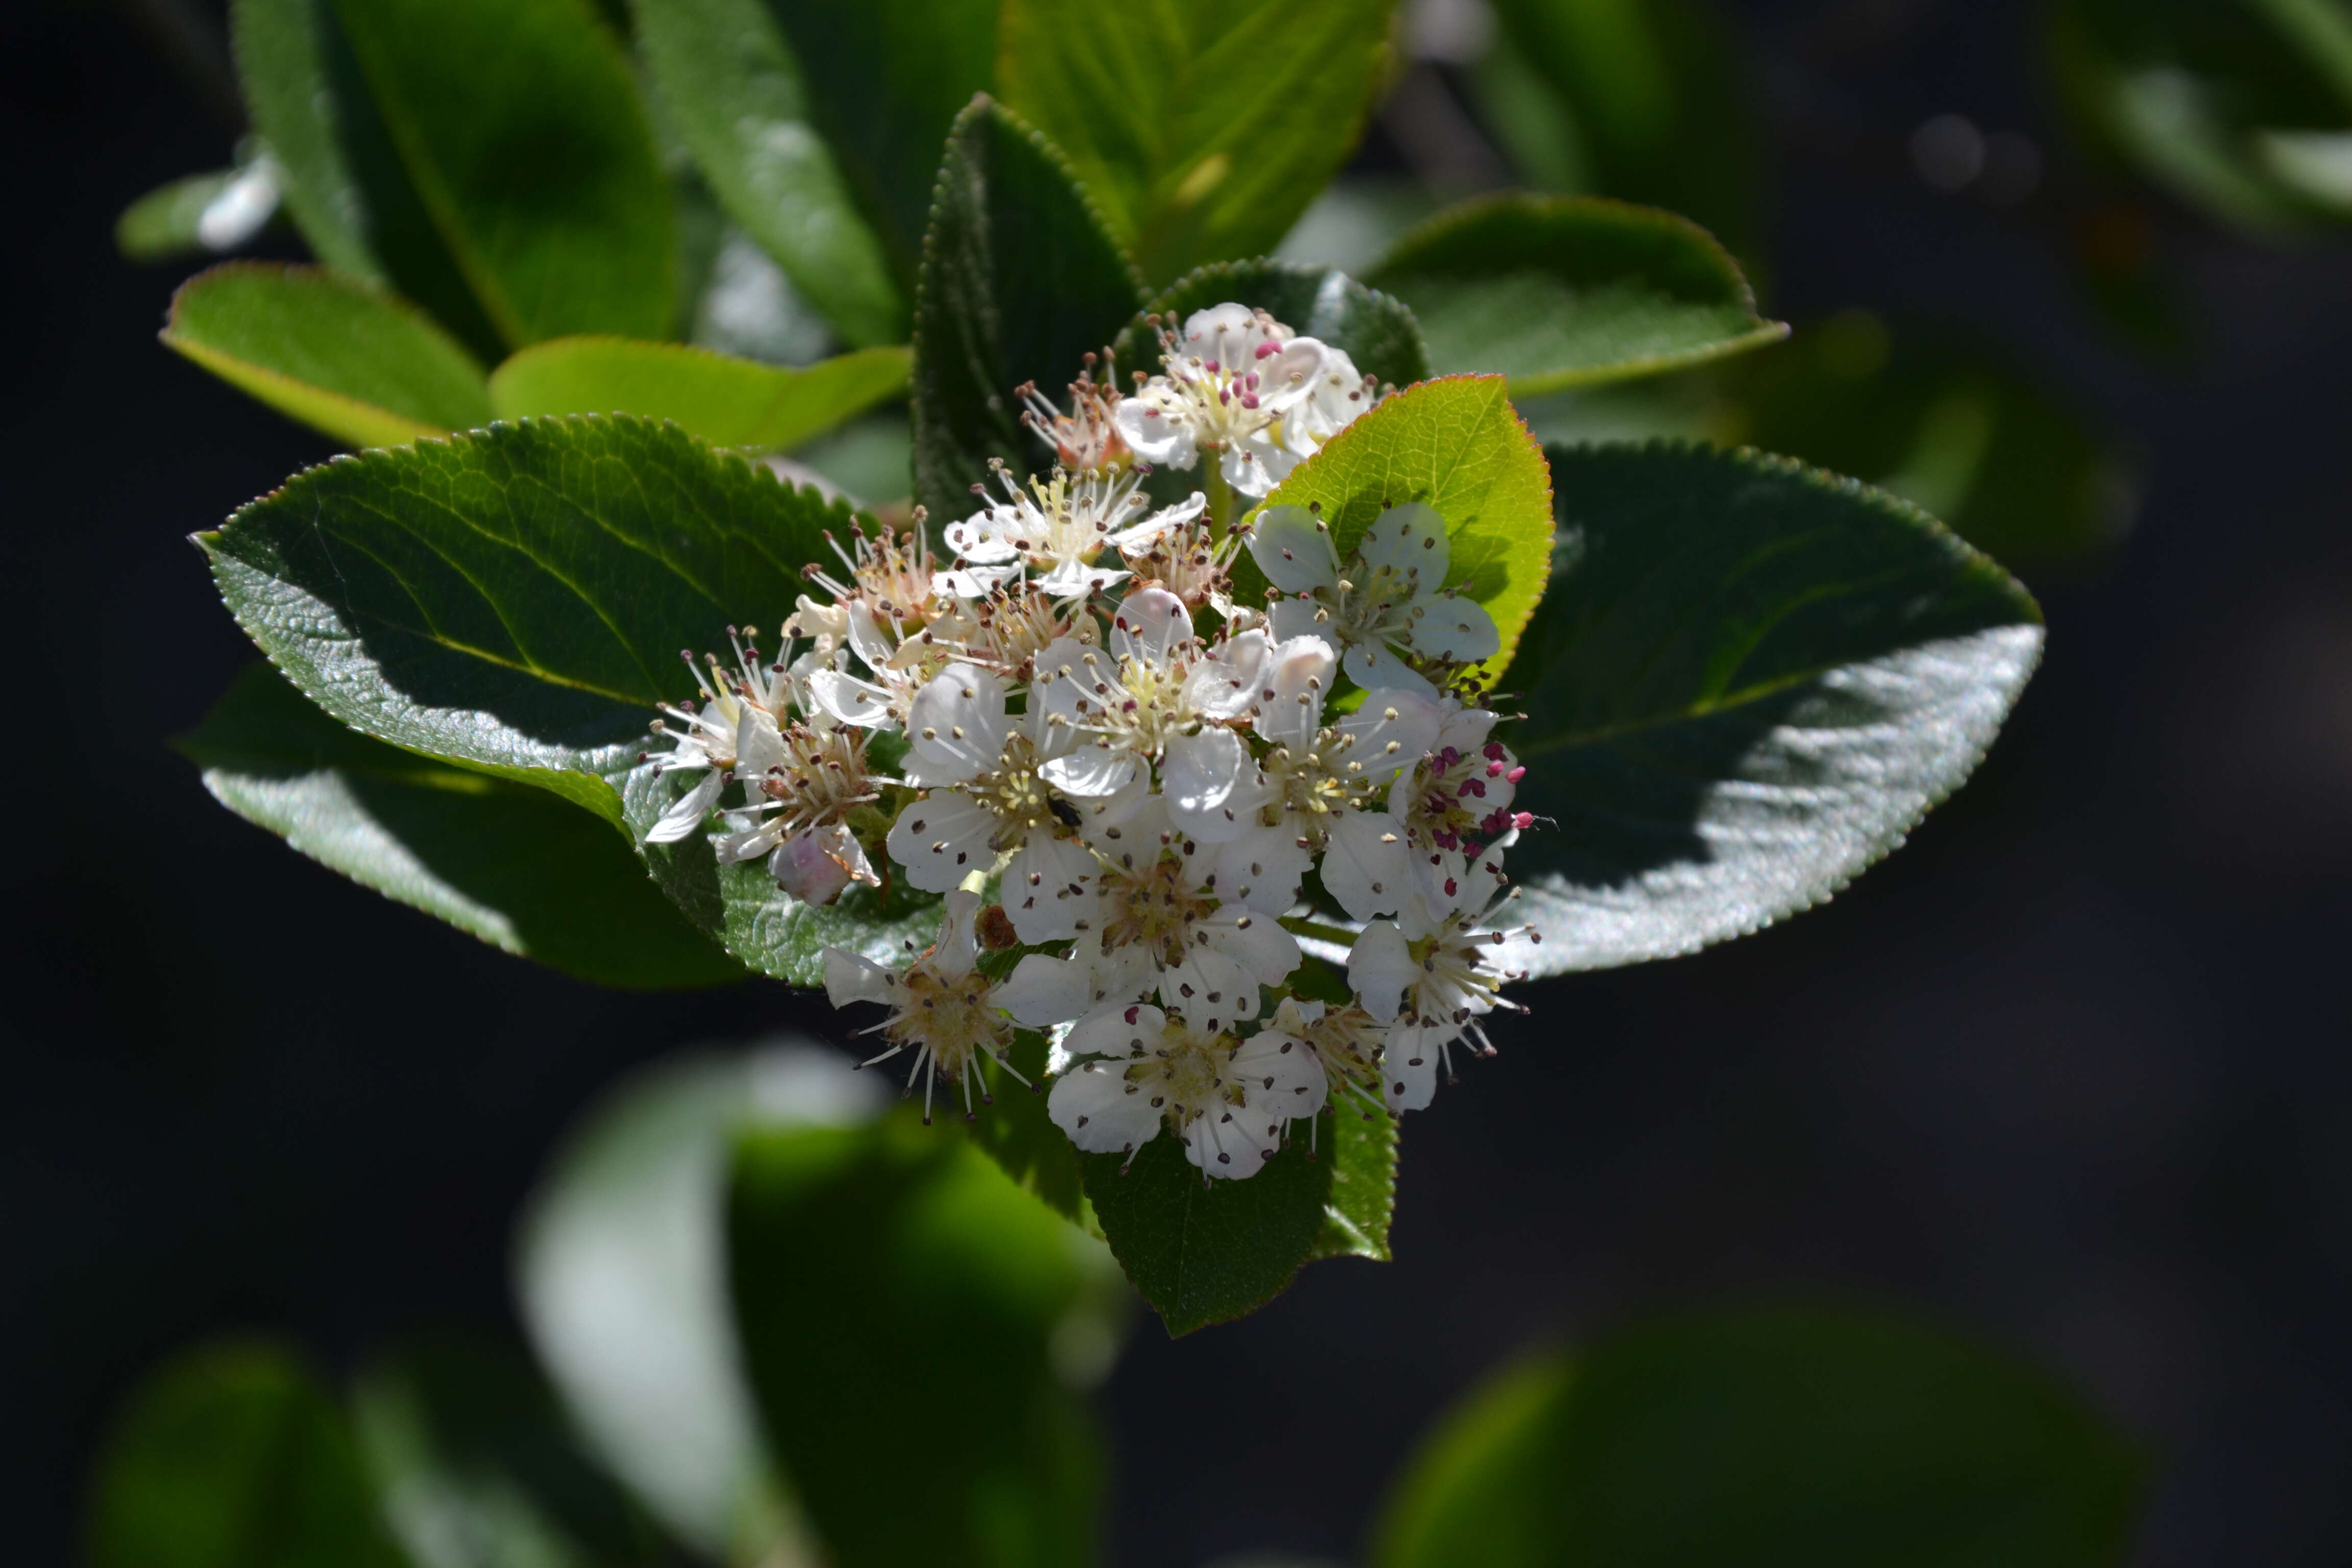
1749, 681
728, 402
502, 861
1203, 127
1825, 1439
339, 355
1562, 292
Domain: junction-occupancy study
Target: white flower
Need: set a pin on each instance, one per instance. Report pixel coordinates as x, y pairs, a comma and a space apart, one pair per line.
1060, 524
1457, 801
1383, 610
942, 1006
1240, 384
1227, 1099
1086, 439
736, 704
1146, 694
1430, 979
799, 781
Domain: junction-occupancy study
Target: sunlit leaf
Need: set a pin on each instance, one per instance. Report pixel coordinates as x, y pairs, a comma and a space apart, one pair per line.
725, 400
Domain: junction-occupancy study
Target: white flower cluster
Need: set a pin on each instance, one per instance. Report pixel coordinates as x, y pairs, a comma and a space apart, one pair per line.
1121, 779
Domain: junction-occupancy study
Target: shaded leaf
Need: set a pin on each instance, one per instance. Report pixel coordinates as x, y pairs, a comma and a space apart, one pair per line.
889, 77
1566, 292
232, 1457
725, 400
299, 84
898, 1295
1203, 127
738, 99
1020, 282
515, 599
1378, 333
1020, 1136
1778, 1437
213, 212
334, 353
1748, 682
1455, 444
505, 862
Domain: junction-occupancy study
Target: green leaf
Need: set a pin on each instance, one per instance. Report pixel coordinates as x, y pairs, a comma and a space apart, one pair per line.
476, 1468
1363, 1155
1203, 127
897, 1295
1767, 1438
728, 402
1455, 444
888, 78
520, 127
339, 355
1020, 1136
1020, 282
1566, 291
736, 95
510, 864
300, 87
514, 599
1749, 681
215, 211
232, 1457
740, 906
1204, 1252
621, 1277
1377, 332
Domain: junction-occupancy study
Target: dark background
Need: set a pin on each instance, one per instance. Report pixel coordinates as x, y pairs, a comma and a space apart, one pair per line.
2071, 1072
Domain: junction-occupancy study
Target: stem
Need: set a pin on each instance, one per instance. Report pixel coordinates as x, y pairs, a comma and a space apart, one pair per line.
1299, 925
1220, 495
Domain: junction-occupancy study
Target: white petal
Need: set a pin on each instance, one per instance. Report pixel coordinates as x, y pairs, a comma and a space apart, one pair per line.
1213, 786
1408, 538
1049, 888
959, 945
1297, 683
1149, 624
1254, 940
1379, 967
1155, 427
850, 700
1134, 837
1209, 988
1042, 991
1090, 772
1294, 550
803, 867
1122, 1030
942, 839
1161, 523
1101, 1112
1261, 868
1070, 579
957, 719
985, 537
1376, 664
1281, 1075
686, 811
1454, 627
849, 978
1366, 864
1291, 618
1255, 468
1393, 729
1464, 729
1409, 1065
1230, 1141
1225, 684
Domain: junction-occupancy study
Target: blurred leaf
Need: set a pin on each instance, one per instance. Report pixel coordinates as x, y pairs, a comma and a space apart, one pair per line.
1020, 282
1017, 1133
1377, 332
736, 93
1749, 681
728, 402
215, 211
1204, 128
1457, 445
505, 862
300, 87
741, 907
1943, 424
334, 353
1641, 100
899, 1300
476, 1468
232, 1457
2240, 108
621, 1274
1780, 1437
514, 599
889, 78
1569, 291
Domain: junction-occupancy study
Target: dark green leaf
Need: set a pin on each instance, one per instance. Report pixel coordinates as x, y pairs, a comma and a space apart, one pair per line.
740, 906
1203, 127
887, 80
736, 95
1457, 445
1782, 1436
337, 354
1020, 282
1749, 681
232, 1457
1017, 1133
1377, 332
520, 125
1566, 291
507, 863
478, 1468
213, 212
1206, 1252
725, 400
515, 599
898, 1295
621, 1274
1362, 1149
